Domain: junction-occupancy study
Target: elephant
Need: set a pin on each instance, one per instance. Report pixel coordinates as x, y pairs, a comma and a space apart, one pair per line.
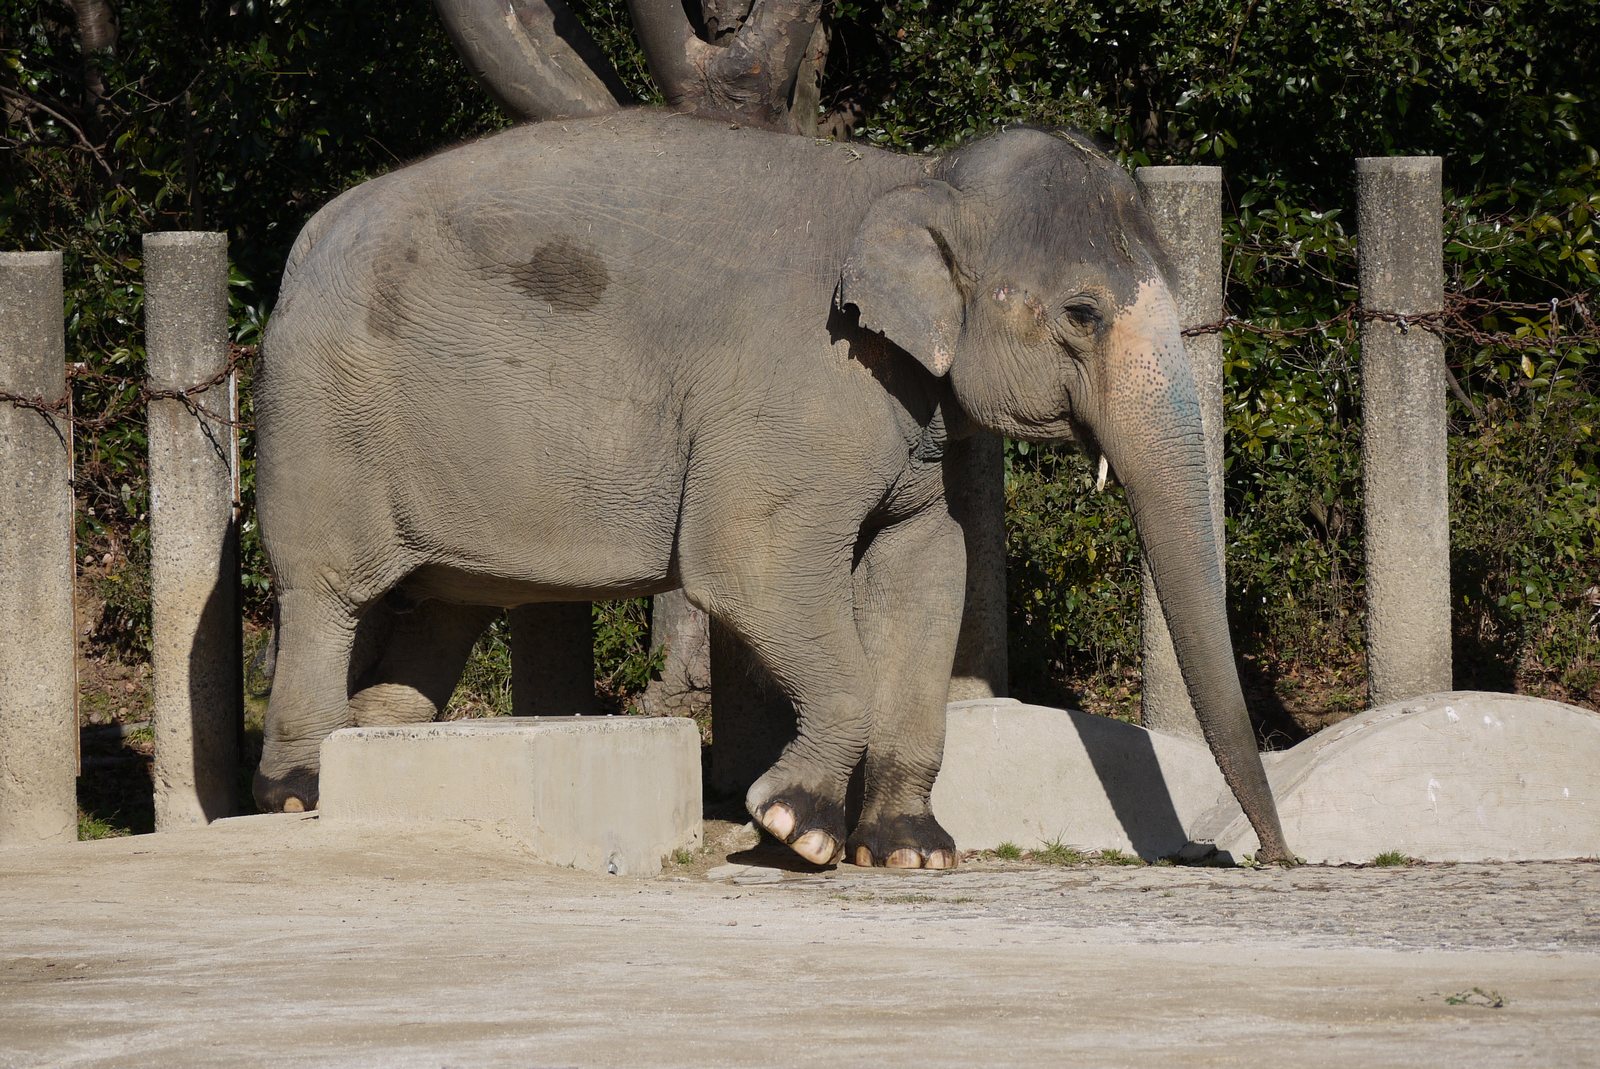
612, 356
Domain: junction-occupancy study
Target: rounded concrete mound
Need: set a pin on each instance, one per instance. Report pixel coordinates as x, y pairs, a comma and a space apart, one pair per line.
1457, 776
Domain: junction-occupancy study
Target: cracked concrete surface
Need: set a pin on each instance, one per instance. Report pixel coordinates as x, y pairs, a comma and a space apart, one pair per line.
282, 940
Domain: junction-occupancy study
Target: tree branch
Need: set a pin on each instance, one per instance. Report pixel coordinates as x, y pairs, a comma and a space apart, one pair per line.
24, 101
750, 77
667, 38
806, 99
533, 56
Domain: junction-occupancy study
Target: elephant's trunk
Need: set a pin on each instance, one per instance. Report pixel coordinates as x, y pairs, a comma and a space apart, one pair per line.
1150, 429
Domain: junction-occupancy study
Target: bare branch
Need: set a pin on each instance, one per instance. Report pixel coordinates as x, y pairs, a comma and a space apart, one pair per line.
533, 56
757, 70
806, 98
750, 77
667, 39
23, 101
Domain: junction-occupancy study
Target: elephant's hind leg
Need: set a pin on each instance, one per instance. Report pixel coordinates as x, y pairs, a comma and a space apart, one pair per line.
420, 663
909, 588
310, 696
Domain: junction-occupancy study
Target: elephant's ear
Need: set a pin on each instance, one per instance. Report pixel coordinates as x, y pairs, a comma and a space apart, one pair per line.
901, 273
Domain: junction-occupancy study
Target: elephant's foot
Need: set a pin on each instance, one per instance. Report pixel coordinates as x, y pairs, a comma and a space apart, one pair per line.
809, 822
906, 841
293, 792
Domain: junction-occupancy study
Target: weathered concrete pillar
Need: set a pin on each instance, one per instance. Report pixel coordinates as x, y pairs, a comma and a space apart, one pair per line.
1406, 498
194, 561
1186, 205
552, 659
978, 501
38, 709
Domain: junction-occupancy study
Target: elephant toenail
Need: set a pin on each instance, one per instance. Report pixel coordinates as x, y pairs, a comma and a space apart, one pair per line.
942, 859
817, 847
904, 858
779, 820
292, 804
862, 857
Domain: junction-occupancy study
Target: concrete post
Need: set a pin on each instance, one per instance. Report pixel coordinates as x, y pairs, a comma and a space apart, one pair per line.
978, 501
1186, 205
194, 562
1406, 498
38, 711
552, 659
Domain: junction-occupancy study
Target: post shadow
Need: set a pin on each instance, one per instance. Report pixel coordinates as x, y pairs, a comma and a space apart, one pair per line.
216, 691
1124, 759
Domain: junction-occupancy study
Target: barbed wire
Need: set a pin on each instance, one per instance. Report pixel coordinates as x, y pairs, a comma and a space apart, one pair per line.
1459, 319
128, 403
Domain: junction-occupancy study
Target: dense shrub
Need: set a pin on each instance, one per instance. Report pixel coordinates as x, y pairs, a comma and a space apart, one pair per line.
247, 116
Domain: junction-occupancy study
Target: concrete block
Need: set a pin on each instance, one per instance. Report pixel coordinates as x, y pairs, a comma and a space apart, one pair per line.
1458, 776
605, 794
1032, 775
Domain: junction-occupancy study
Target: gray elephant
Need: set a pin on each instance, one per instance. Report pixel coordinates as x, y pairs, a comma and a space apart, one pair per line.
607, 357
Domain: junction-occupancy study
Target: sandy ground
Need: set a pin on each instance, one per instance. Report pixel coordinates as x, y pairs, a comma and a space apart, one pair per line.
284, 941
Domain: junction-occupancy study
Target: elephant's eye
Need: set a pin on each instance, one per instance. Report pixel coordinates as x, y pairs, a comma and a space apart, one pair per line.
1082, 316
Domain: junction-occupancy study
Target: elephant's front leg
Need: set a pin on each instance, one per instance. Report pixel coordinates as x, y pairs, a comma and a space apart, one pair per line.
909, 588
789, 598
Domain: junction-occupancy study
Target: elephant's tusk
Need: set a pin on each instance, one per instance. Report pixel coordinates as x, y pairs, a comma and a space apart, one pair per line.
1105, 469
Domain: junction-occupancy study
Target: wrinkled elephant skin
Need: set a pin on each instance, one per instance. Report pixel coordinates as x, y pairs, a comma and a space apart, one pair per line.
602, 358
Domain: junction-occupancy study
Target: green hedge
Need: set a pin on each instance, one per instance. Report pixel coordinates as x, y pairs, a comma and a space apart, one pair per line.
247, 116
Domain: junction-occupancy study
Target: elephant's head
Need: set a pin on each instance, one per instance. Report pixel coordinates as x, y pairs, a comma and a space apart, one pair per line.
1026, 269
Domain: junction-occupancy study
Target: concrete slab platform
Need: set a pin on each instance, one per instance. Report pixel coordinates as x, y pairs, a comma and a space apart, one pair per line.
606, 794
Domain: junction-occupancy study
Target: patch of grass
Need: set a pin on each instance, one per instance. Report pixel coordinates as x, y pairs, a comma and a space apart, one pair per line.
92, 827
1117, 857
681, 856
1492, 1000
905, 900
485, 686
1008, 852
1392, 859
1058, 853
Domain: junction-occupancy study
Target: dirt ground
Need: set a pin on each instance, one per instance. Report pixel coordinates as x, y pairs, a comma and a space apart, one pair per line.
287, 941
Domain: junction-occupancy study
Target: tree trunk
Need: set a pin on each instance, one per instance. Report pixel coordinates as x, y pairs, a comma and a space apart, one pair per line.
97, 37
